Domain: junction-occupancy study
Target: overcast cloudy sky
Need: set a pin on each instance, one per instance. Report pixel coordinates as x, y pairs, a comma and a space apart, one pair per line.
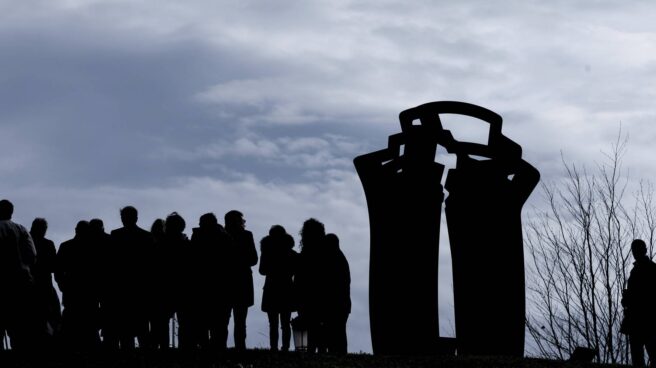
197, 106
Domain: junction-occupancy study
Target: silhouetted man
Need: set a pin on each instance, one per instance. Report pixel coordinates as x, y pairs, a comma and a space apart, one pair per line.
77, 276
128, 293
17, 256
639, 302
212, 252
244, 257
47, 298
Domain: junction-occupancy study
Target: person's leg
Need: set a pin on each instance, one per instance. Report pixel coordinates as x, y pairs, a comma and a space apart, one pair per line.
637, 350
273, 330
285, 318
241, 314
219, 327
341, 343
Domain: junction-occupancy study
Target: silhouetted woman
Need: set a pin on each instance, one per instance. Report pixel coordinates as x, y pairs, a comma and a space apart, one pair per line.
162, 279
336, 292
278, 264
308, 283
42, 271
179, 281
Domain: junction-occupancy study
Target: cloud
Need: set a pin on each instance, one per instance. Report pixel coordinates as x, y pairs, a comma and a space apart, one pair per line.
189, 105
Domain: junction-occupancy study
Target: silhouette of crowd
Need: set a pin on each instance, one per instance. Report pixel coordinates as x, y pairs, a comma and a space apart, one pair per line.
123, 289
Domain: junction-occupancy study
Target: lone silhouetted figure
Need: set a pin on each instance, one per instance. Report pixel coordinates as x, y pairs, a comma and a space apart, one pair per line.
212, 254
639, 301
128, 295
77, 275
17, 256
245, 257
278, 263
43, 270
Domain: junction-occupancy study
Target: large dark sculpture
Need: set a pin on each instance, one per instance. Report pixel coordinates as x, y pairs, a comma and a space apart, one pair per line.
483, 210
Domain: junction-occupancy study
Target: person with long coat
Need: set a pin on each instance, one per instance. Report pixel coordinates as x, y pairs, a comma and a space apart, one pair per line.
308, 283
43, 270
211, 251
336, 286
278, 263
77, 275
162, 280
175, 284
639, 301
127, 300
17, 256
244, 257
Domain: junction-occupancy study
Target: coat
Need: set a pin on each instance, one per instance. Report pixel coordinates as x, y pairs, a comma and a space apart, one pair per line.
212, 250
278, 263
243, 258
640, 298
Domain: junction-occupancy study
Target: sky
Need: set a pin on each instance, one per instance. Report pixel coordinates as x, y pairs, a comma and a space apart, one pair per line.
207, 106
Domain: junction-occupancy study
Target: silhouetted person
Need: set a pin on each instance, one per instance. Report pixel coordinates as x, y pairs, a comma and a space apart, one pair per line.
17, 256
639, 302
101, 241
278, 263
336, 291
176, 285
129, 292
212, 255
163, 281
77, 275
42, 271
244, 257
309, 281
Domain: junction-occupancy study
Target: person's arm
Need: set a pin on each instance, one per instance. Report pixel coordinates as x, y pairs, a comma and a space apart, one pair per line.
264, 258
27, 249
250, 248
61, 267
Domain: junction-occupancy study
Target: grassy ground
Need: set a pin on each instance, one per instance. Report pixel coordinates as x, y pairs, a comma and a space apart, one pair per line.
265, 359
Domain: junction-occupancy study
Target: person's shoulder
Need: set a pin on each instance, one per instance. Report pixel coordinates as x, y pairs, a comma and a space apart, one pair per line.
67, 243
118, 231
48, 243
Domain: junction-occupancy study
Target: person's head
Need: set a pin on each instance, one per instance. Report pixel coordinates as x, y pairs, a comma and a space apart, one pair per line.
234, 220
208, 221
6, 210
638, 248
129, 216
39, 228
82, 229
175, 224
332, 241
157, 229
96, 226
312, 233
277, 230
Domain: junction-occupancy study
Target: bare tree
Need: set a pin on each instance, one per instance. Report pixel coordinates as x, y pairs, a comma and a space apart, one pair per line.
578, 258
